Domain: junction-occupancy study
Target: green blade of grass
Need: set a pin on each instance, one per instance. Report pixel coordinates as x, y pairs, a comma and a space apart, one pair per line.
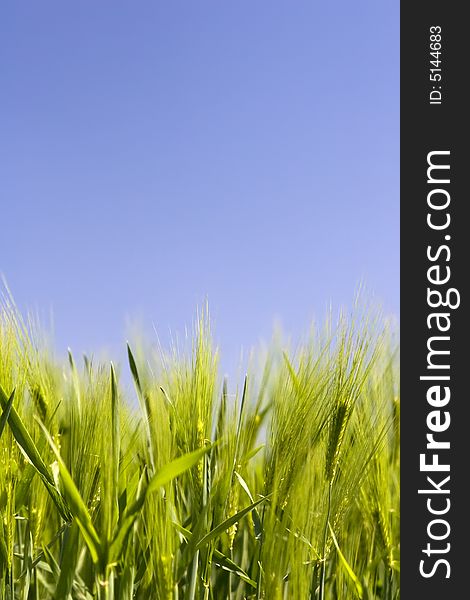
220, 558
40, 556
176, 467
256, 518
354, 578
125, 524
77, 504
110, 492
30, 450
115, 438
249, 455
292, 373
145, 526
24, 440
6, 412
161, 478
214, 533
69, 562
75, 380
134, 371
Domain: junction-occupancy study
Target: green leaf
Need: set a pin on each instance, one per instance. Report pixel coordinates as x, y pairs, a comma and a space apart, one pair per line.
41, 554
161, 478
75, 380
292, 373
24, 440
347, 566
6, 412
176, 467
249, 455
134, 371
220, 558
29, 449
125, 524
115, 437
51, 562
256, 518
228, 564
109, 509
77, 505
68, 563
226, 524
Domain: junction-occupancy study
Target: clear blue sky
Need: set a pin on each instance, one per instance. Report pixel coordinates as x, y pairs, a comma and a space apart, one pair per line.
155, 153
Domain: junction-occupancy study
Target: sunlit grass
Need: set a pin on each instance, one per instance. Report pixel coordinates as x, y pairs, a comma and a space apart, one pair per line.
285, 487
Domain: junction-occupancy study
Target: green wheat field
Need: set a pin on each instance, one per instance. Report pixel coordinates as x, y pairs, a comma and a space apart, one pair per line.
157, 479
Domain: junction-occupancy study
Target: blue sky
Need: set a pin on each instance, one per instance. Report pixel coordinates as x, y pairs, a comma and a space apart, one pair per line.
153, 154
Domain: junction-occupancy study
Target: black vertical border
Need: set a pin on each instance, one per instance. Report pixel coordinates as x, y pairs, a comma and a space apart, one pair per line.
426, 128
